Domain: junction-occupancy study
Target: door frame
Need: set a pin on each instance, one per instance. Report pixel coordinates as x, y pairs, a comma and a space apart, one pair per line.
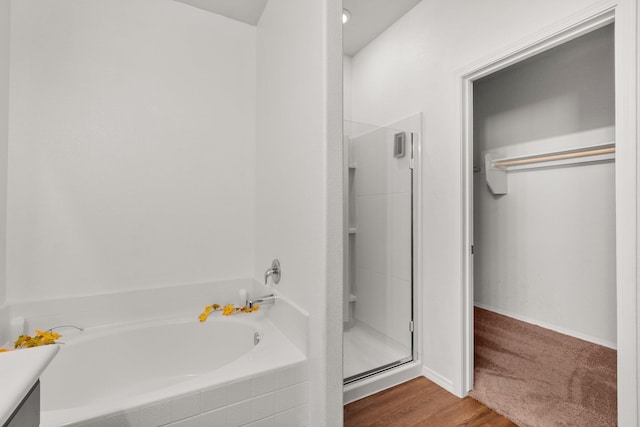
624, 14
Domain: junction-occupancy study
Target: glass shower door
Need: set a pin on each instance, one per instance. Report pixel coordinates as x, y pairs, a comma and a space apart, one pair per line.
378, 294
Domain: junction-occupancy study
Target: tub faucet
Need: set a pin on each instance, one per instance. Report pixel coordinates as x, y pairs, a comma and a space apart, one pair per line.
274, 272
266, 299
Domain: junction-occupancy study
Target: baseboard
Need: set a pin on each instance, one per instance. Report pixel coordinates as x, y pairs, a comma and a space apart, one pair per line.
546, 325
443, 382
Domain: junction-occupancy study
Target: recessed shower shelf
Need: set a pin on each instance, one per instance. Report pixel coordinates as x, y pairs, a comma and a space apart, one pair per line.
353, 165
353, 230
352, 298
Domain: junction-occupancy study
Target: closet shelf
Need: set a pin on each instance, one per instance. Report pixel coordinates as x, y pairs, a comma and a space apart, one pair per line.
497, 167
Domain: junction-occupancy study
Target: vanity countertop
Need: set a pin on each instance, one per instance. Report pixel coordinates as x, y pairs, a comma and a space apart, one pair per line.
19, 371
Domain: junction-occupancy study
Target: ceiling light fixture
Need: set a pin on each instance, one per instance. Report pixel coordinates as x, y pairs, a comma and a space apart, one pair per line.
346, 16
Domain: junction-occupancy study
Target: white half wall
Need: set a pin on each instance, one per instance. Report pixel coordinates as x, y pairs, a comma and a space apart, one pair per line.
546, 251
410, 68
298, 210
132, 132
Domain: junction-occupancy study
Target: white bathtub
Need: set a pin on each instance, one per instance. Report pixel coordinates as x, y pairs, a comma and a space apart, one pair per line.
177, 372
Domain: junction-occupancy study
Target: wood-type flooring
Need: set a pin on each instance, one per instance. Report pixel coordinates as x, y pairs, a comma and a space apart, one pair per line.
420, 402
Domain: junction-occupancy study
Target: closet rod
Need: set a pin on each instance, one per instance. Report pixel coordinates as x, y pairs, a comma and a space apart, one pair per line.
551, 157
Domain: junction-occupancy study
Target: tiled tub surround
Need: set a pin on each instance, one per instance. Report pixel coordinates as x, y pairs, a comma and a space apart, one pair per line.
278, 398
266, 385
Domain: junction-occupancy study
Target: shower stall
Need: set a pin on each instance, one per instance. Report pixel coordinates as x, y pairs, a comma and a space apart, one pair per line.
378, 277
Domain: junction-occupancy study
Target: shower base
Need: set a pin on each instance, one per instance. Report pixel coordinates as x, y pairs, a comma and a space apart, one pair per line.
366, 349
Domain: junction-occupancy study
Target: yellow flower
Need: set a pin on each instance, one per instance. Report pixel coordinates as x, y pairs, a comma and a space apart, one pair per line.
40, 338
22, 339
207, 310
228, 309
47, 335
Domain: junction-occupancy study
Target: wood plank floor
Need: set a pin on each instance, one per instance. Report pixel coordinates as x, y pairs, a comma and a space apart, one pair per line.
420, 402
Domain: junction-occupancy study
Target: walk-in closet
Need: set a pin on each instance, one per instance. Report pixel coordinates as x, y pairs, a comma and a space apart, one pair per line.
544, 236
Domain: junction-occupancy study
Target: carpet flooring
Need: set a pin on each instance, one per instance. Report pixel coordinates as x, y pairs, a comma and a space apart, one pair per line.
537, 377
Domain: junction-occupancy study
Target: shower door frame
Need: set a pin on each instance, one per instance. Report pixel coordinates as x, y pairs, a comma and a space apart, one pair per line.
412, 362
625, 15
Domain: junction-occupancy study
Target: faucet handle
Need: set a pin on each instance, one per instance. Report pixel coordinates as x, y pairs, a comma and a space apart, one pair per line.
274, 272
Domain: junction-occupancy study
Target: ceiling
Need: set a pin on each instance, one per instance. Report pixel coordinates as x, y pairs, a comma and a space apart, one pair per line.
248, 11
369, 18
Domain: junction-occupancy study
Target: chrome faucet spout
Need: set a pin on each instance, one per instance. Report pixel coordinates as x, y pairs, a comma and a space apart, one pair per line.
266, 299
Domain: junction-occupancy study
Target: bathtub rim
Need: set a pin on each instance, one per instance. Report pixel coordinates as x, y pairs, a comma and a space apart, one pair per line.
96, 332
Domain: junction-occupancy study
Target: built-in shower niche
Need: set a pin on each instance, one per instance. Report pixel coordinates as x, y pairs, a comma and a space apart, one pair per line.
378, 264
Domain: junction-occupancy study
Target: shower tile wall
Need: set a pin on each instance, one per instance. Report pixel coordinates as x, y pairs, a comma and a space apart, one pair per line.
382, 188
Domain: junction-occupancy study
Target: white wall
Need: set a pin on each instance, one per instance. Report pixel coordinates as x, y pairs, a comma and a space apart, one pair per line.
132, 131
297, 201
545, 252
133, 146
346, 85
290, 149
411, 68
4, 134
